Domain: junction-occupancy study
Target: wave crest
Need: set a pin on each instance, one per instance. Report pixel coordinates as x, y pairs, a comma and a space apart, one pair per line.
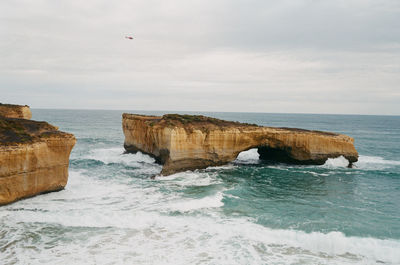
117, 155
375, 163
340, 161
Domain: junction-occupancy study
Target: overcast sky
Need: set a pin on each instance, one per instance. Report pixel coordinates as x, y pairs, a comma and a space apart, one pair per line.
303, 56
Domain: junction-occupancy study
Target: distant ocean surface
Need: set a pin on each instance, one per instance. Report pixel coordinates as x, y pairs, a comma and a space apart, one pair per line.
246, 212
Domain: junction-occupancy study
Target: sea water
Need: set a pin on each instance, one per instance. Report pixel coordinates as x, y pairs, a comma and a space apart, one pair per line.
246, 212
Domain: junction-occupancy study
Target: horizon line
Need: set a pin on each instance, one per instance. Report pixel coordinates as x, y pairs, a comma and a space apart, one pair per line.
208, 111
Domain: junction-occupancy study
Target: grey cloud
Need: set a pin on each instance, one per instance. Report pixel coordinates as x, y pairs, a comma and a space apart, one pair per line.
285, 56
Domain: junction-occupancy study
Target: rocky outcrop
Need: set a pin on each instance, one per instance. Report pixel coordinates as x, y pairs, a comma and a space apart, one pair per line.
34, 158
15, 111
185, 142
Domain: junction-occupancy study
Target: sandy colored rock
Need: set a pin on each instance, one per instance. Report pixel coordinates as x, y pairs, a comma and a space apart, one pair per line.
15, 111
186, 142
34, 158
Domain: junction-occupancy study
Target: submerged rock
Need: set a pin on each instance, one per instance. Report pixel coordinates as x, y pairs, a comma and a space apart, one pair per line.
186, 142
15, 111
34, 158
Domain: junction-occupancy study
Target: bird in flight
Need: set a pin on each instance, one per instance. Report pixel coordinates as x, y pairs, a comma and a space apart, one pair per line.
129, 37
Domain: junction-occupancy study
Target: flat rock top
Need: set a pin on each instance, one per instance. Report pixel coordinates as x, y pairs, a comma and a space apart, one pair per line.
205, 123
17, 131
12, 106
15, 111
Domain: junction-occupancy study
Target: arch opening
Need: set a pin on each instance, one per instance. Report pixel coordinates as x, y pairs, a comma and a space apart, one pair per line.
265, 154
275, 154
249, 156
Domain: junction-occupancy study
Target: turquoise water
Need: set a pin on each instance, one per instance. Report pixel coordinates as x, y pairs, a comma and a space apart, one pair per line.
246, 212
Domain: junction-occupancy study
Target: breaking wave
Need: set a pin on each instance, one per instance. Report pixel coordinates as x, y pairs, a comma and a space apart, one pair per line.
375, 163
340, 161
140, 220
118, 155
248, 157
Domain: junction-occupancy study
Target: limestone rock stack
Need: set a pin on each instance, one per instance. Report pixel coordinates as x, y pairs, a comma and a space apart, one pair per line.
34, 156
186, 142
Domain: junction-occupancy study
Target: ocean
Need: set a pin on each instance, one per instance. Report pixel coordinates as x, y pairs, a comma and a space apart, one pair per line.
246, 212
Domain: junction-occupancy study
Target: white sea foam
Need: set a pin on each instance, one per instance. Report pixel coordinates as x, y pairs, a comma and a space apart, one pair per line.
186, 205
151, 238
117, 155
190, 178
248, 157
224, 167
98, 221
375, 163
340, 161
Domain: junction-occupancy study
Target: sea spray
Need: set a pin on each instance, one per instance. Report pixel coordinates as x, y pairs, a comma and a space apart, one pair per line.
336, 162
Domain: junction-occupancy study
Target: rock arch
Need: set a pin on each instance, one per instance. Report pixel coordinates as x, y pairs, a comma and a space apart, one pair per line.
186, 142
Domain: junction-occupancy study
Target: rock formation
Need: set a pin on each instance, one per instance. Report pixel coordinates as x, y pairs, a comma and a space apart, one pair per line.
15, 111
185, 142
34, 158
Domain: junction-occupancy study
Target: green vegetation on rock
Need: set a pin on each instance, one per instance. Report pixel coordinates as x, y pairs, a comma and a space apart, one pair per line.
14, 131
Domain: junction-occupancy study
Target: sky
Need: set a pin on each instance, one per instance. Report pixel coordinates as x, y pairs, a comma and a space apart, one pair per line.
303, 56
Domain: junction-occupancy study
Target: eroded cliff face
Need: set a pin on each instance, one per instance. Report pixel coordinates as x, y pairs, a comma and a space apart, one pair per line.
15, 111
34, 158
184, 142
